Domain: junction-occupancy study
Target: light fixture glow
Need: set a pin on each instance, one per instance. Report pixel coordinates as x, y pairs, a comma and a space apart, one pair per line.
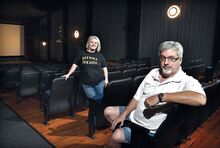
173, 11
76, 34
44, 43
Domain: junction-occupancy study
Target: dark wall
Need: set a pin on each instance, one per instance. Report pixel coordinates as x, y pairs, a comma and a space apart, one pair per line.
194, 29
216, 52
32, 41
44, 36
109, 23
134, 29
77, 21
56, 42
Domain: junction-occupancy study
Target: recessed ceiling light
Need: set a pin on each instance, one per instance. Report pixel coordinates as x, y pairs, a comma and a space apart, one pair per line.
173, 11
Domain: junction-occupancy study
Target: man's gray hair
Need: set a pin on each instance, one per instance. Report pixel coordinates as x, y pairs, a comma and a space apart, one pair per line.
176, 46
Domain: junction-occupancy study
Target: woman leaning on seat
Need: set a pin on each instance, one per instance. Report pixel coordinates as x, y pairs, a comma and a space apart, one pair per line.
94, 73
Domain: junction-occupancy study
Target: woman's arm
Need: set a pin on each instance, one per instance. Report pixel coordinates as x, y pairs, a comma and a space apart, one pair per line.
105, 75
72, 69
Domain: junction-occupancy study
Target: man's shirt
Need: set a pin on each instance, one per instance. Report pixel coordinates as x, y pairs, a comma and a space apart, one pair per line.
151, 86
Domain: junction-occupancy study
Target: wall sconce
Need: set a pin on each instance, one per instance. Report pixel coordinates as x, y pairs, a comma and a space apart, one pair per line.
173, 11
44, 43
76, 34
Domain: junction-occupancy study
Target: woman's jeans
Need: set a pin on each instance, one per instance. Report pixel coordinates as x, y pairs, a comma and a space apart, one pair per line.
94, 92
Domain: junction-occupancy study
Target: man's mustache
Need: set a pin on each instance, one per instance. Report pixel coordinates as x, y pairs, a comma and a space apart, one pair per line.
166, 67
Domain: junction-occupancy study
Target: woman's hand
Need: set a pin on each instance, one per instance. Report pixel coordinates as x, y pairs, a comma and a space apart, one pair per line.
65, 76
106, 82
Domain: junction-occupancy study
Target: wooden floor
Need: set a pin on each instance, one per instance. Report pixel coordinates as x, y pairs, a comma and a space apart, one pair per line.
70, 132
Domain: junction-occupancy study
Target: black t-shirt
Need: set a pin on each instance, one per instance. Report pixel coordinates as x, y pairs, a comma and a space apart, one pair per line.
91, 65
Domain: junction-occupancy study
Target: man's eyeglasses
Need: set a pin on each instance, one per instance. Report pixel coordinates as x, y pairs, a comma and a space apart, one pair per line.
170, 59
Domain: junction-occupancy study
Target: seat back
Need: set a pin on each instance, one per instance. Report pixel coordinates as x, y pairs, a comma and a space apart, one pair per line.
137, 81
121, 67
129, 73
206, 110
44, 79
176, 118
11, 77
153, 66
167, 135
111, 68
188, 70
142, 65
59, 99
142, 71
114, 75
118, 92
132, 66
29, 83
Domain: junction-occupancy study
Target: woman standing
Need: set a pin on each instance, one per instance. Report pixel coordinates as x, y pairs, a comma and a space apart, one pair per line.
94, 73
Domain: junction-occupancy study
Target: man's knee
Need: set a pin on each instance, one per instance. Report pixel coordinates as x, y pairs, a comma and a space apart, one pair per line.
118, 136
108, 111
111, 113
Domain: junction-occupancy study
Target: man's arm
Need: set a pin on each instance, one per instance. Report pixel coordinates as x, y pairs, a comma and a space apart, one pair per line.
184, 97
120, 119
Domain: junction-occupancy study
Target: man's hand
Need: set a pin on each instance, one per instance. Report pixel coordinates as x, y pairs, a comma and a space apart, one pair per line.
119, 121
151, 101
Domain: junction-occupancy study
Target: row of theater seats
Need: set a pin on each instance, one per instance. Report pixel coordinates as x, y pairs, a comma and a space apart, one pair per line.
10, 75
55, 94
127, 62
116, 93
121, 67
41, 82
200, 72
122, 71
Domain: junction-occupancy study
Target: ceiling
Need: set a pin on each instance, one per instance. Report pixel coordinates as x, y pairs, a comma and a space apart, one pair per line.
23, 11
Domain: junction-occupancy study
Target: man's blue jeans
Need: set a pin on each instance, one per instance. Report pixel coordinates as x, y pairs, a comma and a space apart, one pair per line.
94, 92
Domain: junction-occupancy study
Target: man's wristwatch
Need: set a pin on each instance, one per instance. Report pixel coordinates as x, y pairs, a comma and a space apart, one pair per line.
160, 97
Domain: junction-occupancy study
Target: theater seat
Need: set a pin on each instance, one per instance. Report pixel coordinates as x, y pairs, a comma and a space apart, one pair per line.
206, 110
137, 81
114, 75
11, 77
167, 135
58, 99
118, 92
45, 83
28, 85
142, 71
129, 73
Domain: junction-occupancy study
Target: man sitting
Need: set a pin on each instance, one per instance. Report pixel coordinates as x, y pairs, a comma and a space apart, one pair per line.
161, 85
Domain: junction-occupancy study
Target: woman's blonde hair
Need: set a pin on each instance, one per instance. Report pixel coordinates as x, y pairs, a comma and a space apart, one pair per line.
98, 49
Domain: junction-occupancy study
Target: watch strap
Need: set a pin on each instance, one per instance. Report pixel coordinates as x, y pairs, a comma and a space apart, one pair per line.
160, 97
